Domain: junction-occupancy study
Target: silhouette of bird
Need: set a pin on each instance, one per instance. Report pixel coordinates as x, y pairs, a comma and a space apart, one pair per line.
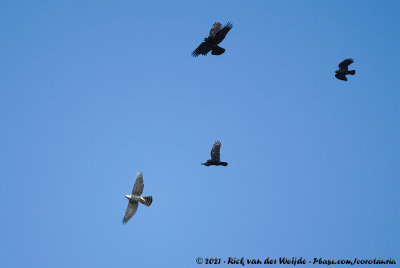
135, 198
215, 156
344, 70
211, 42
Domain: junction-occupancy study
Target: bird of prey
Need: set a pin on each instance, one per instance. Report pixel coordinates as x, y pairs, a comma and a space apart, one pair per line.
211, 42
344, 70
215, 155
135, 198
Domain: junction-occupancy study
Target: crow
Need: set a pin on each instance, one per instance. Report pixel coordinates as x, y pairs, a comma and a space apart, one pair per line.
211, 42
215, 155
343, 70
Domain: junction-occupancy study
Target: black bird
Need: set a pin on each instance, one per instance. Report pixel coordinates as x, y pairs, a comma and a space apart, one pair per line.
215, 155
344, 70
211, 42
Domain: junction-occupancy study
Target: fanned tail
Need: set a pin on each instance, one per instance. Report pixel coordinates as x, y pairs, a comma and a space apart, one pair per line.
217, 50
147, 200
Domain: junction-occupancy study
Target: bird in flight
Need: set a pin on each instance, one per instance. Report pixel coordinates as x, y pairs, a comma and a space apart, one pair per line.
215, 156
344, 70
211, 42
135, 198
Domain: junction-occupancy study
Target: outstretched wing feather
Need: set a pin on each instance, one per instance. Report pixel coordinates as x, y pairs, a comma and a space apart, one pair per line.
215, 29
345, 64
130, 211
341, 77
220, 35
139, 185
202, 49
215, 151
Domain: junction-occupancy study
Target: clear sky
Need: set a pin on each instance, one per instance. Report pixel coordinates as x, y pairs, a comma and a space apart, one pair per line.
93, 91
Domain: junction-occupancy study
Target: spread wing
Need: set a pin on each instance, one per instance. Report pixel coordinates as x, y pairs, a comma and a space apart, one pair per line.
203, 49
345, 64
215, 151
215, 29
341, 77
130, 211
139, 186
220, 35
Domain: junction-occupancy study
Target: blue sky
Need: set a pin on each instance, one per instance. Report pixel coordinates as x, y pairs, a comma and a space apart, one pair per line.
93, 91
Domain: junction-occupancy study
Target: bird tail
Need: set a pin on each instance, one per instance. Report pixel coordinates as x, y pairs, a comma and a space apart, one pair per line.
217, 50
147, 200
352, 72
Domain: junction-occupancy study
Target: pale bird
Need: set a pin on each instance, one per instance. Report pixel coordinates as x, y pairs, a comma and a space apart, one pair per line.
135, 198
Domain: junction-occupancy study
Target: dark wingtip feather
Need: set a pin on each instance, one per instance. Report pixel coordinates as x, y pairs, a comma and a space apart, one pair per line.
229, 25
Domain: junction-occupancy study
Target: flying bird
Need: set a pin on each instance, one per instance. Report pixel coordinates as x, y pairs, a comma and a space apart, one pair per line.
135, 198
211, 42
344, 70
215, 156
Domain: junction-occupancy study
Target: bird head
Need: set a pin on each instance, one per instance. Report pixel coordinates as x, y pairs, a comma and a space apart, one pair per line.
127, 196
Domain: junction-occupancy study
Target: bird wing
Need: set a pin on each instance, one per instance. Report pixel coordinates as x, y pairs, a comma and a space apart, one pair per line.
341, 77
215, 151
203, 49
220, 35
345, 64
130, 211
215, 29
139, 185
